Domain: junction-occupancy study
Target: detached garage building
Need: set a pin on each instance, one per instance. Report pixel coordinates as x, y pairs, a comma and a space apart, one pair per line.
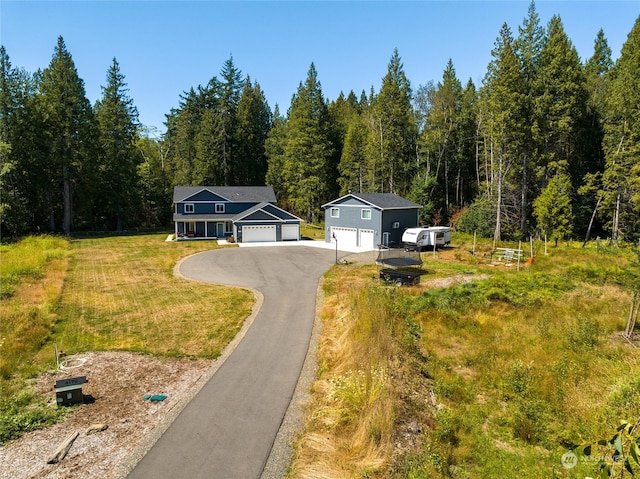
246, 213
366, 220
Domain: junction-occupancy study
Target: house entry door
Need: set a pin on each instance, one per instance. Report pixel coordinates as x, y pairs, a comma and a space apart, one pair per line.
220, 230
385, 238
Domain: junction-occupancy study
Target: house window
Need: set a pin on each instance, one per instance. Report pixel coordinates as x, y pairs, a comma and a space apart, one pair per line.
188, 208
219, 207
335, 212
365, 214
396, 225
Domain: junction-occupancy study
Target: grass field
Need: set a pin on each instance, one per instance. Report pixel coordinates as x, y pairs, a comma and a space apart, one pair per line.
99, 294
490, 378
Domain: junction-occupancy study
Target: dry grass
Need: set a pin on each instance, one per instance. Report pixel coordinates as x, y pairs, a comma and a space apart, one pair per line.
481, 371
351, 425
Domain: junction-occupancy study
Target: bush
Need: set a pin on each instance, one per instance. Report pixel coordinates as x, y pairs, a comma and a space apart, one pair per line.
519, 380
479, 217
585, 334
529, 421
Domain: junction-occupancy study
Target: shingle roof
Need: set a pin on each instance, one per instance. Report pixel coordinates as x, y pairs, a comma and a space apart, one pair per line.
384, 201
256, 194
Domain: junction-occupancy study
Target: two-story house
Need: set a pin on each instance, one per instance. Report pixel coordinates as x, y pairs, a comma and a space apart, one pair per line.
246, 213
366, 220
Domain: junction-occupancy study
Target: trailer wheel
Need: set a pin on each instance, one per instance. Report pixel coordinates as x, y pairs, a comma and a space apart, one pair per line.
398, 282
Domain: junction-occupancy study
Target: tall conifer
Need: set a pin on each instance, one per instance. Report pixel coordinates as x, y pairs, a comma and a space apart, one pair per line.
69, 131
118, 166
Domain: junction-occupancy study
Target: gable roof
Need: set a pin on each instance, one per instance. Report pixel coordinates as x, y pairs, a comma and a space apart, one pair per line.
383, 201
266, 211
236, 194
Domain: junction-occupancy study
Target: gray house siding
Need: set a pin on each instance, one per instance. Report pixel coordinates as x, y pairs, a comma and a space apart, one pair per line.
403, 219
387, 216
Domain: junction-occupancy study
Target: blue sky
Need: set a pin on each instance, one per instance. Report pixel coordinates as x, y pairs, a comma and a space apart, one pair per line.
167, 47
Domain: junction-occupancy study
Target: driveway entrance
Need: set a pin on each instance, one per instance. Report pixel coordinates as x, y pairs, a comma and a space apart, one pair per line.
229, 427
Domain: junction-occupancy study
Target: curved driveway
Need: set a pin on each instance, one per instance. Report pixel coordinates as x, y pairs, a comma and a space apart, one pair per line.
228, 428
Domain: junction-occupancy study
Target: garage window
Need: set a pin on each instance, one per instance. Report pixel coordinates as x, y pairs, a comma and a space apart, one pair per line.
335, 212
365, 214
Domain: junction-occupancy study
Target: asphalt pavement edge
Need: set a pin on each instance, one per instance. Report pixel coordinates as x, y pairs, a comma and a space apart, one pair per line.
136, 456
283, 450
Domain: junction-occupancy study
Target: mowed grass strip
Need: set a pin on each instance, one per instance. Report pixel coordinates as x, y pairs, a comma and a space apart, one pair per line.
120, 294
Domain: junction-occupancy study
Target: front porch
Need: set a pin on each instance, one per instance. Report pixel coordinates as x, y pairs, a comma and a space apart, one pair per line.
190, 230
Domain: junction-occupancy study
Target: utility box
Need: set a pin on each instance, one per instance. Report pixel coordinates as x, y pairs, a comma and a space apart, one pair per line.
69, 391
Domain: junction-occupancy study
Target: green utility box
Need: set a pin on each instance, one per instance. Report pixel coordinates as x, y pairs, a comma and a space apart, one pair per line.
69, 391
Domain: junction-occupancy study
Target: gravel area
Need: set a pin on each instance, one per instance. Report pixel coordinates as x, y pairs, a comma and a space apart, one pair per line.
117, 384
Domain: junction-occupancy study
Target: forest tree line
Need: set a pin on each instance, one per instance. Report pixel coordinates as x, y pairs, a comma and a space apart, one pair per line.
548, 144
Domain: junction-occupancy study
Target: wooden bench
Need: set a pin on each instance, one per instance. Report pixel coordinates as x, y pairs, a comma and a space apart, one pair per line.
508, 255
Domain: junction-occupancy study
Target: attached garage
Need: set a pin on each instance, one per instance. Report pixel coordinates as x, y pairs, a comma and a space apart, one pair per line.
258, 233
346, 237
290, 232
367, 239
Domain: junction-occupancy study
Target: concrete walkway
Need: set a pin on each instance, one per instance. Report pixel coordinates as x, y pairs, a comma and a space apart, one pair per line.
228, 429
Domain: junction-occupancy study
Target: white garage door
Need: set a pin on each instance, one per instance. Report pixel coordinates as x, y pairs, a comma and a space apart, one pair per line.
367, 239
290, 232
347, 237
255, 233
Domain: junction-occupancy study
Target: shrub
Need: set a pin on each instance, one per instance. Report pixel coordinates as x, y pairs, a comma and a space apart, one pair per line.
585, 334
529, 421
520, 379
479, 217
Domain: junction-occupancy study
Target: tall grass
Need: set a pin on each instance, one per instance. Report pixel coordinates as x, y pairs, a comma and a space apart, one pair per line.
489, 379
27, 258
351, 428
27, 313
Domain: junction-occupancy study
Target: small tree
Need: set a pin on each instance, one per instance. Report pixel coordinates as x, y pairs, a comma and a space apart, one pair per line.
552, 209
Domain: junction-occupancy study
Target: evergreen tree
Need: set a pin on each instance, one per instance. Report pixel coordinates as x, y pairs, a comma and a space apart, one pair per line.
69, 134
274, 148
118, 166
155, 189
182, 127
353, 160
253, 121
231, 88
442, 140
596, 70
466, 186
308, 152
621, 142
502, 102
396, 130
561, 107
13, 207
209, 141
552, 208
528, 47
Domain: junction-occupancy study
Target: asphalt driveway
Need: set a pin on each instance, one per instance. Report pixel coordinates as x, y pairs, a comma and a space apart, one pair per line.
229, 427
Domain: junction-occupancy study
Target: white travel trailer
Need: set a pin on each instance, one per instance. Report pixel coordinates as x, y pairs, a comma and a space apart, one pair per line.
419, 238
